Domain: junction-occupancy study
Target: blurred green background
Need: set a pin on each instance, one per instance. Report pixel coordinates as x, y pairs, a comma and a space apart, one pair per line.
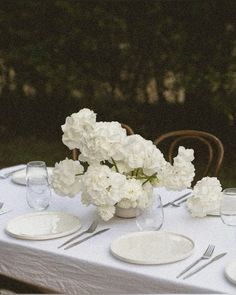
155, 65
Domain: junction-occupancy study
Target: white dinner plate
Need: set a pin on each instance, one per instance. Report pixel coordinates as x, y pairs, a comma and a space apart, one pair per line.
230, 272
43, 225
19, 177
152, 247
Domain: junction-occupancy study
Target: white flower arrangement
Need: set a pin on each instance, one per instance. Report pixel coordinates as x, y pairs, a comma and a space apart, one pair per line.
113, 168
207, 194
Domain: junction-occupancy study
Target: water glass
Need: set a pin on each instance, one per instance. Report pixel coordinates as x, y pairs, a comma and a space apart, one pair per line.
151, 218
228, 207
38, 193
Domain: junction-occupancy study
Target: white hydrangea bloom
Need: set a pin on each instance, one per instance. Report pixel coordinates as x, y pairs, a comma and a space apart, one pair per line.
65, 178
106, 212
207, 194
132, 191
141, 153
154, 160
179, 175
102, 186
77, 127
147, 197
104, 142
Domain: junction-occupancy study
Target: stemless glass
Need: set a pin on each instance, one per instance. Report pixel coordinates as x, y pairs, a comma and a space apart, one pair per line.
38, 193
228, 207
151, 218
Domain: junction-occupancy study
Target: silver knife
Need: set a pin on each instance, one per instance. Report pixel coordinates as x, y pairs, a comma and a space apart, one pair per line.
179, 198
85, 239
204, 265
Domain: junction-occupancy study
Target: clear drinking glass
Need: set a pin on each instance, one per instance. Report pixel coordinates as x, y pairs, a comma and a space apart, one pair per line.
38, 193
228, 207
151, 218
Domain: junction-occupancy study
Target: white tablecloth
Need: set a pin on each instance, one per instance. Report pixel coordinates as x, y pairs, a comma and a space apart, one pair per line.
91, 269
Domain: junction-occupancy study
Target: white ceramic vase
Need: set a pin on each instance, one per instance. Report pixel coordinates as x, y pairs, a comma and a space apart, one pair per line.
127, 212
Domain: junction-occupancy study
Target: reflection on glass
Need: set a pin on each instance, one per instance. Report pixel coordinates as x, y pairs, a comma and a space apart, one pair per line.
228, 207
38, 193
151, 218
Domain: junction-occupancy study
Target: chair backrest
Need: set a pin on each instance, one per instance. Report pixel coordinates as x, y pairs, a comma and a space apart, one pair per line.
129, 131
211, 150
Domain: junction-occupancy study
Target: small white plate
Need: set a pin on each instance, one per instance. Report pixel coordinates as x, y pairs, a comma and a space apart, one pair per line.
230, 272
43, 225
151, 247
19, 177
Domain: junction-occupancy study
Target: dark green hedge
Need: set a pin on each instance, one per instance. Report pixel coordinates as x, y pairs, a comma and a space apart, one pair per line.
61, 55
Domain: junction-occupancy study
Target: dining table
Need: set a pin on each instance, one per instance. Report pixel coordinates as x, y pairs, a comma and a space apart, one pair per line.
90, 267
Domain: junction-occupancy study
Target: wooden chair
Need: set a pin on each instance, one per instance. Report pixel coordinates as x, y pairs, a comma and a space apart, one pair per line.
129, 131
208, 150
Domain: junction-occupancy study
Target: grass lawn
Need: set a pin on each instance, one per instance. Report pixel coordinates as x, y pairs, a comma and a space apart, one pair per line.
22, 150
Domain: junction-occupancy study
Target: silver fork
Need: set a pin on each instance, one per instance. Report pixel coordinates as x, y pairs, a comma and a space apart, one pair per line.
207, 254
90, 230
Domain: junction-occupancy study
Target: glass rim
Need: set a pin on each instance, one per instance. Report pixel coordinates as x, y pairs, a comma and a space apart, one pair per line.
230, 190
36, 164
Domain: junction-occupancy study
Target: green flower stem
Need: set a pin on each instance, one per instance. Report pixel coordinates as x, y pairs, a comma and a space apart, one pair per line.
79, 174
150, 177
114, 163
137, 171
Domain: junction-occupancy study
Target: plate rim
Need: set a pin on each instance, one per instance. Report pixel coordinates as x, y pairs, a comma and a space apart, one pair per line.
45, 236
233, 281
133, 261
23, 180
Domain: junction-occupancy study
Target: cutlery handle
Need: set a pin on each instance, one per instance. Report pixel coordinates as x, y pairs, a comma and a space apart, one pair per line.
204, 265
179, 198
182, 201
189, 267
72, 239
87, 238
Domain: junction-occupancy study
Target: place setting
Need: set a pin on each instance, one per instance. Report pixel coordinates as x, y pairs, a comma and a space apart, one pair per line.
127, 178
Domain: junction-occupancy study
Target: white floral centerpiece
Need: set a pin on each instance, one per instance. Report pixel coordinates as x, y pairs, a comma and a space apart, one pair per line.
114, 169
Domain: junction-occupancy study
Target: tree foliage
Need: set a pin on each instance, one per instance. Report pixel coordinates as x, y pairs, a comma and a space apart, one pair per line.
164, 59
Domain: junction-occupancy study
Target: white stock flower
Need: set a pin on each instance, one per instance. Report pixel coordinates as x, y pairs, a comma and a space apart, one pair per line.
102, 186
179, 175
104, 142
207, 194
76, 128
65, 180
